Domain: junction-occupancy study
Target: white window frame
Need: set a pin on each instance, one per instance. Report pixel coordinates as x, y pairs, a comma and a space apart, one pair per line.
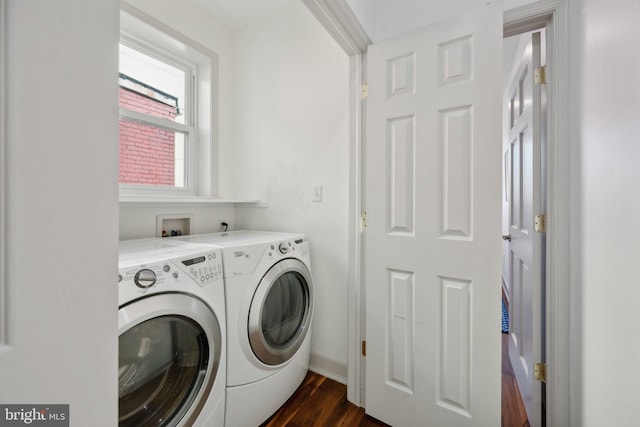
151, 37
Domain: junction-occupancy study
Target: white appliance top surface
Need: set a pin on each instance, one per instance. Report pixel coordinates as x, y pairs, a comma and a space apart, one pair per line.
154, 249
238, 238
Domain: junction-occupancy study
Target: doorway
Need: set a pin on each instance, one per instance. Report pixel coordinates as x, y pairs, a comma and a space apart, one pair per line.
524, 195
523, 225
553, 16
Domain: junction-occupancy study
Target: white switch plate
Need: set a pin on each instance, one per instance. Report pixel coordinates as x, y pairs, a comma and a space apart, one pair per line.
317, 193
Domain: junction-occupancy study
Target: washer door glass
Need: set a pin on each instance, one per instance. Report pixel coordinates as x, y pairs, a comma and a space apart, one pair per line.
162, 365
280, 314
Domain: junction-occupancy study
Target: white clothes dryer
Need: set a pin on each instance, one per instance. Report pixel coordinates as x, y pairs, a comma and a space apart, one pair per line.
269, 295
172, 335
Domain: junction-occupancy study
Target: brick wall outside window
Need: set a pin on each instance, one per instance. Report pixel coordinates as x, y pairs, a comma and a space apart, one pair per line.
147, 153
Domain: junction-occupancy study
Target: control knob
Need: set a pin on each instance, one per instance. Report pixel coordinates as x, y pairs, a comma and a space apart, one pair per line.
283, 248
145, 278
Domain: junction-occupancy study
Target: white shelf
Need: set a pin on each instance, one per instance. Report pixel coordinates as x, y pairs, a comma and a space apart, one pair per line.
145, 202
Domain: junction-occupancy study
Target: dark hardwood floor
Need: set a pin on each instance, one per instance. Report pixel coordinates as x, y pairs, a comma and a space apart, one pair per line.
513, 412
322, 402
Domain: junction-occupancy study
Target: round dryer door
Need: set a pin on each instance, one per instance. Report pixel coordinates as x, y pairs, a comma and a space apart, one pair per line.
169, 352
280, 313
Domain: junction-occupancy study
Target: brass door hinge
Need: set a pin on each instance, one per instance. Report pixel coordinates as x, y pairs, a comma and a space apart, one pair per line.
540, 372
540, 75
540, 223
363, 348
365, 90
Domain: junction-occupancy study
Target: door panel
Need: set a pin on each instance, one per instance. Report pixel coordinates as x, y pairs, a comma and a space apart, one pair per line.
433, 251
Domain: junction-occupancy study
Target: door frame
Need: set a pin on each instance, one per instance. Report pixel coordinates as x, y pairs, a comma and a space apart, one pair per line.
4, 306
553, 15
342, 25
526, 333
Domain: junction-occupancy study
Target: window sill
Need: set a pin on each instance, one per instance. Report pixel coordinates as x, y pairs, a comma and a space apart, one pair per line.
158, 201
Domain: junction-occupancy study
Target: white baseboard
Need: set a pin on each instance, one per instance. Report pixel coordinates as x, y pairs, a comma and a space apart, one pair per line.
329, 368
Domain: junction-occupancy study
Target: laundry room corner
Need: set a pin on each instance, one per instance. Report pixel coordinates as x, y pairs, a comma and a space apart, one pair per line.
282, 138
292, 137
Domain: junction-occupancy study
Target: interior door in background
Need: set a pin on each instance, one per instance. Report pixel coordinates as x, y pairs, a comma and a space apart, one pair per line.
525, 269
432, 242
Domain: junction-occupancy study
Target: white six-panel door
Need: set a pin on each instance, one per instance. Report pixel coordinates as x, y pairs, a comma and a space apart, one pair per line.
525, 248
433, 253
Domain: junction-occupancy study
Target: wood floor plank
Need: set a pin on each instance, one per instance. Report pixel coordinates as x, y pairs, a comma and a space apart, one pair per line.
303, 395
317, 412
513, 412
321, 402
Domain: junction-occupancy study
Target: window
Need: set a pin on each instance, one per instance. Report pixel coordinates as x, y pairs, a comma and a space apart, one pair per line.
166, 104
156, 127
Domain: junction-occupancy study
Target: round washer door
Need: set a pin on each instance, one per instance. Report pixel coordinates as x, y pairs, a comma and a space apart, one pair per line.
169, 354
280, 312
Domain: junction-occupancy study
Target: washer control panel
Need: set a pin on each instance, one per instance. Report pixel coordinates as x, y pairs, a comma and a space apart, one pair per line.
145, 278
204, 268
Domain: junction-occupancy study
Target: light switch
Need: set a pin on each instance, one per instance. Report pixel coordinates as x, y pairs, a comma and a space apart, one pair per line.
317, 193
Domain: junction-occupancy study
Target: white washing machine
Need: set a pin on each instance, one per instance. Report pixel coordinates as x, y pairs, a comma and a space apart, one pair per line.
269, 295
172, 328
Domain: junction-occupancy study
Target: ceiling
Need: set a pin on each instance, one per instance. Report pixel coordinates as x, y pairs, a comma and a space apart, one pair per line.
383, 19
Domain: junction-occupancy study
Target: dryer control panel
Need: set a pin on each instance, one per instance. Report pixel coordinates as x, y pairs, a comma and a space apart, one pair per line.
245, 259
298, 246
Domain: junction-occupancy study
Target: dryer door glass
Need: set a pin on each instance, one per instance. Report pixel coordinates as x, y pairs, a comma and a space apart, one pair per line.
280, 314
163, 362
283, 310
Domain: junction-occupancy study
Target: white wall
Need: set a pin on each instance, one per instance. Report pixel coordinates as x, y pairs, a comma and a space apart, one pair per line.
606, 202
62, 207
292, 134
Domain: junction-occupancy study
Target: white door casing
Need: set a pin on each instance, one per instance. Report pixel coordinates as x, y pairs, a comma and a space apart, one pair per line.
3, 238
433, 253
524, 172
